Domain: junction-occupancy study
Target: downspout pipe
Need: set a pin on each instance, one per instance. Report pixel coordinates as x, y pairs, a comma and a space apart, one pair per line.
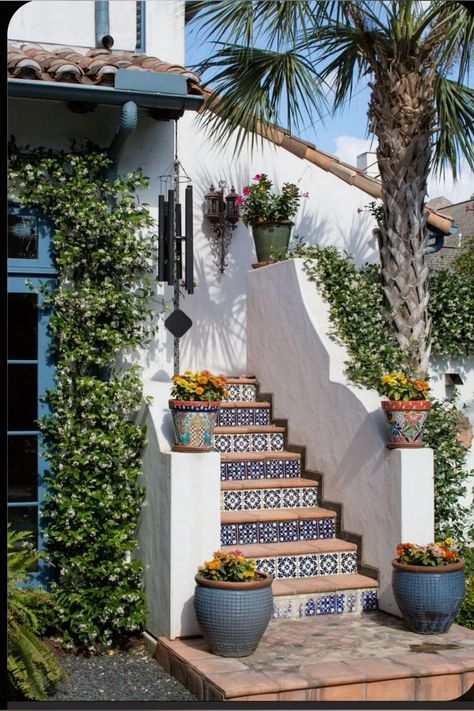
127, 125
102, 25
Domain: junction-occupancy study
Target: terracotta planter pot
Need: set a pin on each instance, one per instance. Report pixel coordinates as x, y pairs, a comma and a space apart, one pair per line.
271, 237
406, 421
429, 597
193, 422
233, 616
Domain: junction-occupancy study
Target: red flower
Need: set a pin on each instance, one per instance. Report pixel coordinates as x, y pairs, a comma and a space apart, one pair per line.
257, 177
245, 191
238, 201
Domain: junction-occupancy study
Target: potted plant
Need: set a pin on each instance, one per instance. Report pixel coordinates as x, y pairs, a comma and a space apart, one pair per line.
428, 585
233, 603
406, 409
269, 214
196, 397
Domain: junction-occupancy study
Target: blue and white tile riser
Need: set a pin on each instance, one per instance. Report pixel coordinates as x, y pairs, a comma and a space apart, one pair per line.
260, 469
241, 392
349, 601
243, 416
309, 564
253, 442
279, 498
233, 534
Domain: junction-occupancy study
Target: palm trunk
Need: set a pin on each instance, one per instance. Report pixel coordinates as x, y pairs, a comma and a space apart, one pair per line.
401, 115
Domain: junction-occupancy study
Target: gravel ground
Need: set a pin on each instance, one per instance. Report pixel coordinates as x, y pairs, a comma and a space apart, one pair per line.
118, 676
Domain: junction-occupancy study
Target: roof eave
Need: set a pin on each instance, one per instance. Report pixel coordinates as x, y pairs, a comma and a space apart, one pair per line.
56, 91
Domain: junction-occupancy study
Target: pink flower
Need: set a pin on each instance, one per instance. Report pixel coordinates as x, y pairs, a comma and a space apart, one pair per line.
245, 191
305, 195
257, 177
239, 201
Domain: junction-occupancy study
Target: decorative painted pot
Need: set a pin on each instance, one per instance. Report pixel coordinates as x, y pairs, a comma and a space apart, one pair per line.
406, 421
193, 422
233, 616
271, 237
428, 596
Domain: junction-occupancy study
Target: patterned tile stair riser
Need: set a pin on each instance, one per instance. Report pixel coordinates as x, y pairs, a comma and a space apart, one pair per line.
233, 534
273, 514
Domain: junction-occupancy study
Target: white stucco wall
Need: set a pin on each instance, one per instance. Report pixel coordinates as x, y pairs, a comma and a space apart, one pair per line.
387, 495
72, 23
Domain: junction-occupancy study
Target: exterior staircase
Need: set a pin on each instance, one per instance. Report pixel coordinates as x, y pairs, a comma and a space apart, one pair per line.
272, 510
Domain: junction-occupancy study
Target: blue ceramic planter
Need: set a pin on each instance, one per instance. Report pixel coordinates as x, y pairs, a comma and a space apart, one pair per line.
428, 597
233, 616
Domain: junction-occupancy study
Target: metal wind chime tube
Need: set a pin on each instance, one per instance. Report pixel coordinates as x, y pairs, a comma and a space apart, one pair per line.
170, 234
189, 246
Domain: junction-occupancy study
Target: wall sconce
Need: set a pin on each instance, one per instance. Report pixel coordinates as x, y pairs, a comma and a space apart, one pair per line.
222, 211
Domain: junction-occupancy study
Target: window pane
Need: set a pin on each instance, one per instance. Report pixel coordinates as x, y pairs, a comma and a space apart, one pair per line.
22, 397
22, 468
22, 326
22, 236
25, 518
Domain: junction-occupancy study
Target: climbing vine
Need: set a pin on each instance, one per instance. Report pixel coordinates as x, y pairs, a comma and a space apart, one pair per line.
354, 297
99, 306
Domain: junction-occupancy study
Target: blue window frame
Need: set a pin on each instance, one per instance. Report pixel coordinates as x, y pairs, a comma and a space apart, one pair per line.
30, 369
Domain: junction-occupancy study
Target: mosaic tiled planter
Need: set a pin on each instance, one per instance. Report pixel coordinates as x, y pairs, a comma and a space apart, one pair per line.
233, 616
406, 422
193, 423
429, 597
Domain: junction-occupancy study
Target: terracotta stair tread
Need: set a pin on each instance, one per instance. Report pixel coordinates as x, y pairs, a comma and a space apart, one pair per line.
271, 550
244, 380
245, 403
276, 514
249, 429
250, 456
286, 483
322, 583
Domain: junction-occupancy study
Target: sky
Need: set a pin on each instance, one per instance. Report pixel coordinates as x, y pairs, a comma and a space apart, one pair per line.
345, 135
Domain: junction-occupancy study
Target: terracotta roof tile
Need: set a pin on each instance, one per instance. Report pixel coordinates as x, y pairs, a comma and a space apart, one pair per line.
29, 60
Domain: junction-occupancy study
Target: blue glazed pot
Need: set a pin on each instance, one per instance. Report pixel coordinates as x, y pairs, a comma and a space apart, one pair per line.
429, 597
233, 616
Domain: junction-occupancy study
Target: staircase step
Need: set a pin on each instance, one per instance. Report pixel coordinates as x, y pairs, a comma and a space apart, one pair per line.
246, 379
268, 494
323, 595
241, 389
242, 413
277, 525
300, 559
236, 466
249, 439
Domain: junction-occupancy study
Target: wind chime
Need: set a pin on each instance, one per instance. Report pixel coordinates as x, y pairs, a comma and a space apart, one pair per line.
175, 244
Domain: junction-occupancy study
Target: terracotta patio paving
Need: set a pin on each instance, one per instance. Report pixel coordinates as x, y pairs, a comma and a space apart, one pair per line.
368, 657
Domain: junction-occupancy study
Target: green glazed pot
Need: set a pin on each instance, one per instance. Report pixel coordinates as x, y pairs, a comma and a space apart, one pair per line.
271, 237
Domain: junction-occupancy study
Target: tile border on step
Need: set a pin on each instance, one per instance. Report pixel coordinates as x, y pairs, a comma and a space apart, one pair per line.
344, 602
247, 442
250, 470
272, 498
304, 529
306, 565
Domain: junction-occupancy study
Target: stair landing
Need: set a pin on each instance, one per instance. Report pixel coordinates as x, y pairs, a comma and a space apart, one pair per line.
371, 657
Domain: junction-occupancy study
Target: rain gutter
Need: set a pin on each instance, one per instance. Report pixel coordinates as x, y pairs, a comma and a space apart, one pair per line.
56, 91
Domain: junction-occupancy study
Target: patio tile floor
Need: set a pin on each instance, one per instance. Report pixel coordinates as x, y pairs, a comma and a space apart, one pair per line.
330, 657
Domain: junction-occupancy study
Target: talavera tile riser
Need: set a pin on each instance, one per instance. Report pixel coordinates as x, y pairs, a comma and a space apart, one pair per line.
241, 392
280, 498
277, 531
346, 602
243, 416
308, 565
258, 442
260, 469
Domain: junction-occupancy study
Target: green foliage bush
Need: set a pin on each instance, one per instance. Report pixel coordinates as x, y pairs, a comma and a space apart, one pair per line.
452, 310
463, 263
99, 307
32, 668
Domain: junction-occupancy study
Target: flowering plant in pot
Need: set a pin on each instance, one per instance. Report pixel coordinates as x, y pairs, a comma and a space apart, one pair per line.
233, 603
406, 408
269, 214
196, 397
428, 585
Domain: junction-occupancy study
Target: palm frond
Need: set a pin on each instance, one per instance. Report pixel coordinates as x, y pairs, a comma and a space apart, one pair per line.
257, 85
454, 125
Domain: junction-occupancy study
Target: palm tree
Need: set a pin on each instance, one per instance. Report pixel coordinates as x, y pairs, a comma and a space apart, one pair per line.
275, 59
